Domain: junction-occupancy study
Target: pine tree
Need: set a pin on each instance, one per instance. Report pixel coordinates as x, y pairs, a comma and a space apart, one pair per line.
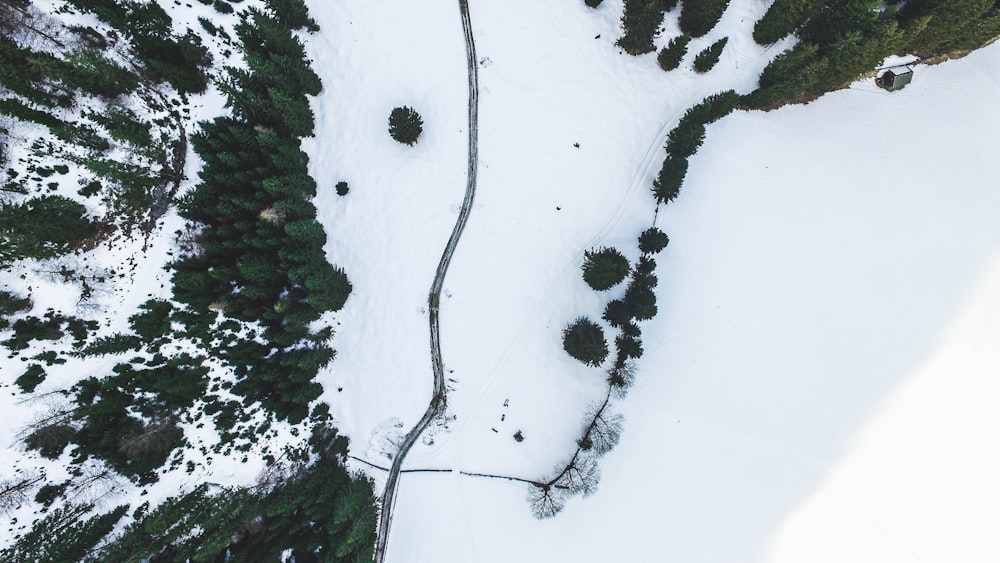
640, 22
671, 55
405, 125
584, 340
652, 241
667, 184
707, 59
604, 268
698, 17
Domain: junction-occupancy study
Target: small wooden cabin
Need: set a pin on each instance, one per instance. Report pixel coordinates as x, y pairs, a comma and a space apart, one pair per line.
895, 78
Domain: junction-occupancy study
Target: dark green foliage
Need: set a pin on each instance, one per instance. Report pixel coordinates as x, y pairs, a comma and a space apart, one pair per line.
292, 13
671, 55
11, 304
180, 60
317, 513
592, 3
641, 301
782, 18
698, 17
617, 313
667, 184
840, 41
42, 227
49, 493
342, 188
153, 319
405, 125
113, 344
653, 240
222, 7
628, 347
125, 126
584, 340
685, 139
640, 22
939, 27
33, 328
99, 76
707, 59
604, 268
64, 536
32, 377
261, 252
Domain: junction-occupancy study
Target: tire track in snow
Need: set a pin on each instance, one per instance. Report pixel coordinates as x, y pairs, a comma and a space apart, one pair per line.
439, 400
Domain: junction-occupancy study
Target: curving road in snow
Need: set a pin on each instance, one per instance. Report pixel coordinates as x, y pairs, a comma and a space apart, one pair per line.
439, 400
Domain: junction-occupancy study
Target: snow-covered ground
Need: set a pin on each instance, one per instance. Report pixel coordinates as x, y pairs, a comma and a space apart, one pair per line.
817, 384
821, 383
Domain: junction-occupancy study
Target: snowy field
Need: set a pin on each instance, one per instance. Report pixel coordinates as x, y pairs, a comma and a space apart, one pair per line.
818, 384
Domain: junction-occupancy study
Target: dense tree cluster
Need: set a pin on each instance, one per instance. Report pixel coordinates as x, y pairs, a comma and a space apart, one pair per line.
261, 252
685, 139
181, 60
42, 227
312, 510
842, 39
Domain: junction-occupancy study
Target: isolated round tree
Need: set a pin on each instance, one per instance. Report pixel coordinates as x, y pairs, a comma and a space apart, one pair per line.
405, 125
584, 340
604, 268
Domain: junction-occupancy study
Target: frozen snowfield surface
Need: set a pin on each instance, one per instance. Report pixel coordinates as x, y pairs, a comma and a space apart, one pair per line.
821, 381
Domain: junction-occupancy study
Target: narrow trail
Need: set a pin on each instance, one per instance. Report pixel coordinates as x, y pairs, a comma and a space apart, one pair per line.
439, 400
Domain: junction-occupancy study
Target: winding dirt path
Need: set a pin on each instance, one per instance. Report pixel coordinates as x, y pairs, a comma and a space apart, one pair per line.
439, 401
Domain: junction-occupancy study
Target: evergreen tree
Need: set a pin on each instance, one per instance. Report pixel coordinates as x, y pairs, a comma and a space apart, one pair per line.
405, 125
42, 227
63, 536
604, 268
671, 55
698, 17
584, 340
667, 184
652, 241
640, 22
707, 59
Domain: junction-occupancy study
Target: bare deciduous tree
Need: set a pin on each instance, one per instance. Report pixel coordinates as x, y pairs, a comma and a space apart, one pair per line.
546, 500
603, 431
14, 491
581, 475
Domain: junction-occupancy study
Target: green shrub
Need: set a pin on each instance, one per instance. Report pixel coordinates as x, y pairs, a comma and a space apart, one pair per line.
592, 3
342, 188
405, 125
670, 56
584, 340
153, 319
707, 59
604, 268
